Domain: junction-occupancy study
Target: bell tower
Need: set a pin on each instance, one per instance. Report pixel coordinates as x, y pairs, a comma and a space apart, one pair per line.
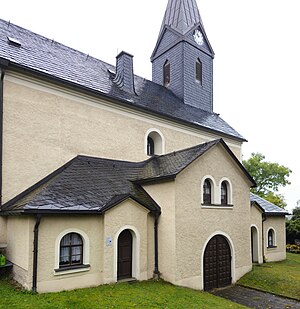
182, 59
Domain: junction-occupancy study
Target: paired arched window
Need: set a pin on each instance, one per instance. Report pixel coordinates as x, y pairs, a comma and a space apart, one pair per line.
199, 71
271, 238
71, 250
167, 73
207, 192
216, 195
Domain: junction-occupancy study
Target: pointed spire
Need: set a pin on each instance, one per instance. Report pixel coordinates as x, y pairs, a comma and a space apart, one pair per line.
181, 15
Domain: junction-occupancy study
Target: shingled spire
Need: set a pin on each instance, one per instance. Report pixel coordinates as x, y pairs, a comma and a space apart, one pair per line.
181, 15
182, 59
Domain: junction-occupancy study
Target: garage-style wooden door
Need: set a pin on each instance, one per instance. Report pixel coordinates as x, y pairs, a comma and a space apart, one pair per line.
125, 255
217, 263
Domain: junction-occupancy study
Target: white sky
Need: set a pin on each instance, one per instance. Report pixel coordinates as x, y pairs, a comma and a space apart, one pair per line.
256, 67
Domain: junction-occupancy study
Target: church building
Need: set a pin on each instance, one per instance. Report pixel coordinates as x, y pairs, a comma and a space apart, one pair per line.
106, 176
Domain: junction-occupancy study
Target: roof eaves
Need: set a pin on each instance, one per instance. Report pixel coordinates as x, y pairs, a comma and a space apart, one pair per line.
238, 163
118, 100
124, 197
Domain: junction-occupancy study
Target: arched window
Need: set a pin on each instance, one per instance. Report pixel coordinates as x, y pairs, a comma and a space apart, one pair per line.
71, 250
150, 146
199, 71
207, 193
224, 193
155, 142
167, 73
271, 238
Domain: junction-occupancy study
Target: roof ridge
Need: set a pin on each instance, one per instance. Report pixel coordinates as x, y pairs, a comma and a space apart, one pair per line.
9, 23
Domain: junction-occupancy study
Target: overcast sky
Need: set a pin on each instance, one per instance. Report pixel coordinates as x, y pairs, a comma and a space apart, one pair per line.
256, 67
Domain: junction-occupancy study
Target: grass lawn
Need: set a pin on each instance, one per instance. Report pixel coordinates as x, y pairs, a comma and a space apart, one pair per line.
281, 278
146, 294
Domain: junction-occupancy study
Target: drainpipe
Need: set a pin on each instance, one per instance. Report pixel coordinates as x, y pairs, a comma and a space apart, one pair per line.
35, 252
2, 73
156, 271
264, 218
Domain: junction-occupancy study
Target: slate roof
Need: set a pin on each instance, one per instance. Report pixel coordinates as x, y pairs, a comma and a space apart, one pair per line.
30, 52
181, 15
83, 185
94, 185
267, 207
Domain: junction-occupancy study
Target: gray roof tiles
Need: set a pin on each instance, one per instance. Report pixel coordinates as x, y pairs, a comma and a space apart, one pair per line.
266, 206
94, 185
66, 65
181, 15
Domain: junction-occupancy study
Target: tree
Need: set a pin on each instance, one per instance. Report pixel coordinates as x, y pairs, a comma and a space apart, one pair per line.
269, 178
293, 225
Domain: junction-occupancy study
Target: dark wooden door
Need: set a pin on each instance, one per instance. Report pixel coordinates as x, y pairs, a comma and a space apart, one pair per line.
217, 263
125, 255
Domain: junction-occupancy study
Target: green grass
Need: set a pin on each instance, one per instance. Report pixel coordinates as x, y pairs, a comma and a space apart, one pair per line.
146, 294
281, 278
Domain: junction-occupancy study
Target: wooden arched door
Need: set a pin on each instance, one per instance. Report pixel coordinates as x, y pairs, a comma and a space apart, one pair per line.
125, 255
217, 263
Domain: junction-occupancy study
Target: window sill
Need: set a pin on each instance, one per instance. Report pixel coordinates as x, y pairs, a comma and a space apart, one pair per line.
71, 269
271, 247
217, 206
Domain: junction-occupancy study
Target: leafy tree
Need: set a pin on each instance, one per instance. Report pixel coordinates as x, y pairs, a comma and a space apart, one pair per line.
269, 178
293, 226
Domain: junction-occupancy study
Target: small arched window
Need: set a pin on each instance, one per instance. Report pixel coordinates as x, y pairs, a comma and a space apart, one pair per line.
167, 73
155, 142
199, 71
224, 193
271, 238
150, 146
71, 250
207, 193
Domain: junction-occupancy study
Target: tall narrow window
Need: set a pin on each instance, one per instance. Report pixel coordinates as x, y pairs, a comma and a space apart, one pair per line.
207, 192
71, 250
150, 146
199, 71
271, 240
167, 71
224, 193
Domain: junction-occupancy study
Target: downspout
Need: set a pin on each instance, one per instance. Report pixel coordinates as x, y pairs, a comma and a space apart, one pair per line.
264, 218
2, 73
35, 252
156, 273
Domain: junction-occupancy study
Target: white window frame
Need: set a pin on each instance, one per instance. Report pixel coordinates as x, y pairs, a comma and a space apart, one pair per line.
158, 139
85, 251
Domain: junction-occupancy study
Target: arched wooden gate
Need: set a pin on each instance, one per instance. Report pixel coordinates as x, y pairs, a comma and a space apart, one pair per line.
217, 263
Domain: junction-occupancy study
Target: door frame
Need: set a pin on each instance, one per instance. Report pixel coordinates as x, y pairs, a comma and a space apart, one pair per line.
232, 251
135, 251
255, 246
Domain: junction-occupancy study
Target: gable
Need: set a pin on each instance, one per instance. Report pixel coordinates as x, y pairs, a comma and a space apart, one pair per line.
219, 162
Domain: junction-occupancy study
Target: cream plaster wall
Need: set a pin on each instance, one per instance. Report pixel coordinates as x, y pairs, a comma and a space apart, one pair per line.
3, 229
164, 195
277, 223
90, 226
196, 225
256, 222
45, 126
132, 216
20, 247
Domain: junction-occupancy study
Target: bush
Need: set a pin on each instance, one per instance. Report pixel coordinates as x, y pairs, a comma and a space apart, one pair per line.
293, 248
